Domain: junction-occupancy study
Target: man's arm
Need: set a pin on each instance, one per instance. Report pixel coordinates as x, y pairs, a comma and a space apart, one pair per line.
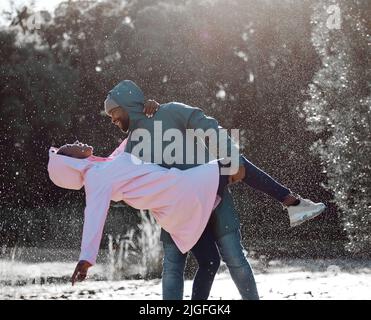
198, 120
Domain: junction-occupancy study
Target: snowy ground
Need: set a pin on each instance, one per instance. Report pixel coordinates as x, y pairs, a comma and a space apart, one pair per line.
295, 279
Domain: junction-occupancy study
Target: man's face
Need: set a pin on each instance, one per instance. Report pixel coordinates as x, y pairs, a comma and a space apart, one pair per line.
120, 118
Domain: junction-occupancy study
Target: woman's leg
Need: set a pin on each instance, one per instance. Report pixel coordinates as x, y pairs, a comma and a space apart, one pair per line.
259, 180
298, 208
173, 270
207, 256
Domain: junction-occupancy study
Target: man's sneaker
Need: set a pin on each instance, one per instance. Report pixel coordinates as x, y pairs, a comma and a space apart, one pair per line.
304, 211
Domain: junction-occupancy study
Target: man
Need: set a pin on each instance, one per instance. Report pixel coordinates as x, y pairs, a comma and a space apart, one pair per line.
124, 105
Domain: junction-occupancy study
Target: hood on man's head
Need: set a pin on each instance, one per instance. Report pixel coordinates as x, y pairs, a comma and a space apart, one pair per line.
128, 96
109, 105
66, 172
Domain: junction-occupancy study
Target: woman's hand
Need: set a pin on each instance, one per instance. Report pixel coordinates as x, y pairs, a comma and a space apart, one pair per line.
150, 108
81, 271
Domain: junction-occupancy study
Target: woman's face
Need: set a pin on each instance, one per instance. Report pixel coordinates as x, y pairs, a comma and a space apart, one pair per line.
76, 150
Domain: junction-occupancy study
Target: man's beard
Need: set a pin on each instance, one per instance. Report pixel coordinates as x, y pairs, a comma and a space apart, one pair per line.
122, 126
123, 131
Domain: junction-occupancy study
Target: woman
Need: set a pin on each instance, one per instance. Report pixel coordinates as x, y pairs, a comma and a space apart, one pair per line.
180, 201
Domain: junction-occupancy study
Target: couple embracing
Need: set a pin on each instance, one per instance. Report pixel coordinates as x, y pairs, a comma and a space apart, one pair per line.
182, 179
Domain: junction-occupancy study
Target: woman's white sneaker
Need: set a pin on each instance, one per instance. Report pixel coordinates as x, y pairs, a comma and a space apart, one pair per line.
304, 211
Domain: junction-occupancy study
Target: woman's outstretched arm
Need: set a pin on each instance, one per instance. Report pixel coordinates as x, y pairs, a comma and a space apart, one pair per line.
97, 205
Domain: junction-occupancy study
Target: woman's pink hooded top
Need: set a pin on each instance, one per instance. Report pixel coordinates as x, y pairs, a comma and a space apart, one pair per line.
180, 201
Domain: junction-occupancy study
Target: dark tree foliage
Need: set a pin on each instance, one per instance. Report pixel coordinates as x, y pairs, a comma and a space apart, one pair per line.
339, 109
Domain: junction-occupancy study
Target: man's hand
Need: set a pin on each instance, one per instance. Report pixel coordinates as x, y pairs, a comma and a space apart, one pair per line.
81, 271
150, 108
238, 176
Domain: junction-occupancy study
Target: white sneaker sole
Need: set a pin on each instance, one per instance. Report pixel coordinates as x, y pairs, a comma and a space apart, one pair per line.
308, 215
